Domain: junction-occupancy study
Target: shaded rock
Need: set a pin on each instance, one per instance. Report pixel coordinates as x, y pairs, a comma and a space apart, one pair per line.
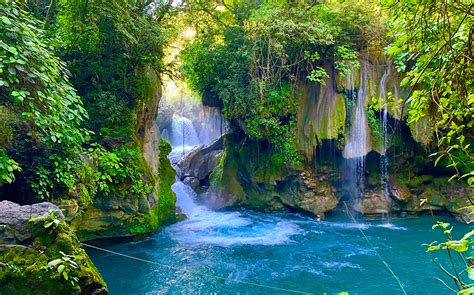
375, 202
14, 219
252, 178
193, 182
69, 208
200, 162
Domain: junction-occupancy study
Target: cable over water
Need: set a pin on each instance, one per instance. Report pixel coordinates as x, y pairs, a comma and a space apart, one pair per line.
195, 272
375, 250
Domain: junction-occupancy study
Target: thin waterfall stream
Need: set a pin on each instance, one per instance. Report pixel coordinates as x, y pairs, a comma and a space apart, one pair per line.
384, 119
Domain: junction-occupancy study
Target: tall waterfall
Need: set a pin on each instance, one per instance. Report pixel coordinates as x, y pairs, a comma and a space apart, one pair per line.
384, 119
193, 128
357, 145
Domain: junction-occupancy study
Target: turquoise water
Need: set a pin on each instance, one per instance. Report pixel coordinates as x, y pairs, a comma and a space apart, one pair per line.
287, 251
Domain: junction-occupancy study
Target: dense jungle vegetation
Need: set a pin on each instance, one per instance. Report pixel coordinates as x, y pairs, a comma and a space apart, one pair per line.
77, 75
73, 76
73, 73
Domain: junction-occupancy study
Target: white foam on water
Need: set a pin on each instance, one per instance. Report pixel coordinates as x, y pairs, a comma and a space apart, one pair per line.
204, 226
391, 226
339, 265
347, 225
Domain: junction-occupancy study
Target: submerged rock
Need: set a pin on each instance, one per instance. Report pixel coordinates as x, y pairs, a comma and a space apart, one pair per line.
32, 236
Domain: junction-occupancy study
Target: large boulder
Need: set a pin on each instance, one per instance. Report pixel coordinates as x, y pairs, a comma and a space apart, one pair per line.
200, 162
31, 237
311, 194
14, 226
374, 204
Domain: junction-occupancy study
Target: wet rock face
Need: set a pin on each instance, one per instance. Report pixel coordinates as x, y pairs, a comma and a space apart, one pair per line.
28, 244
374, 204
200, 162
249, 176
430, 194
312, 194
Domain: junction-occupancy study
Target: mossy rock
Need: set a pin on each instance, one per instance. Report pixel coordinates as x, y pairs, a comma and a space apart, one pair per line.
128, 215
24, 268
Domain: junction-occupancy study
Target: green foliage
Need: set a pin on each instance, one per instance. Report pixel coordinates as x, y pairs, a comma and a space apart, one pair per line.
35, 83
57, 178
433, 47
53, 221
45, 111
122, 170
107, 45
374, 124
167, 198
460, 269
114, 50
252, 57
63, 267
7, 168
274, 119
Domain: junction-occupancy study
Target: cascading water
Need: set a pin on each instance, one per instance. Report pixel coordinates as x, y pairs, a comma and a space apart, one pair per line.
357, 145
191, 128
358, 139
204, 226
183, 134
384, 120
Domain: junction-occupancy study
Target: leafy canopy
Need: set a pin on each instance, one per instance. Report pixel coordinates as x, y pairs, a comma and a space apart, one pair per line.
251, 57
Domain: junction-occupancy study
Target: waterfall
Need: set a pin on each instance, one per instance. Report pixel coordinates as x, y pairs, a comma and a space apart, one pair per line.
358, 138
357, 141
183, 134
192, 126
384, 118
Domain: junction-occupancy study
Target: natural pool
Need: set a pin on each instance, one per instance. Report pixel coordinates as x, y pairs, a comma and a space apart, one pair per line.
288, 251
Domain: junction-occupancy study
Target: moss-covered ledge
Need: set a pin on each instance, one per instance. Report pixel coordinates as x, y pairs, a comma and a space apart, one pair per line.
40, 254
124, 215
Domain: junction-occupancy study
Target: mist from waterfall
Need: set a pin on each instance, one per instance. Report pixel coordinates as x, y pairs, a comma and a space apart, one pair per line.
211, 124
